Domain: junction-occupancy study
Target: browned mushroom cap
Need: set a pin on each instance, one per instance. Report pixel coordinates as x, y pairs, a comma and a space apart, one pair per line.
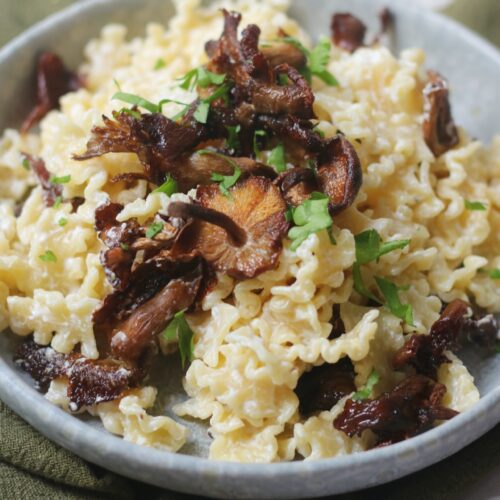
440, 132
284, 53
339, 173
348, 32
241, 234
53, 81
297, 185
131, 337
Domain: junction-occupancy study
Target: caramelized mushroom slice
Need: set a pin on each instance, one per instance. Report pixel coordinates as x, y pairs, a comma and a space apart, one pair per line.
426, 352
284, 53
241, 234
297, 185
440, 132
131, 337
53, 81
324, 386
339, 173
156, 140
50, 191
409, 409
348, 32
90, 381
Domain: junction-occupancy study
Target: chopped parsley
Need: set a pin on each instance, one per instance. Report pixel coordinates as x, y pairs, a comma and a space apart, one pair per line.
494, 274
178, 329
169, 187
277, 158
62, 221
309, 217
154, 229
202, 77
367, 390
225, 181
359, 285
26, 164
64, 179
159, 64
48, 256
390, 293
474, 205
256, 135
124, 246
369, 246
289, 214
317, 60
131, 112
167, 101
203, 108
136, 101
57, 202
233, 137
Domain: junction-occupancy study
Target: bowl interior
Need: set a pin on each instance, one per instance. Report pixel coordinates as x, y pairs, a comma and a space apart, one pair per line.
470, 65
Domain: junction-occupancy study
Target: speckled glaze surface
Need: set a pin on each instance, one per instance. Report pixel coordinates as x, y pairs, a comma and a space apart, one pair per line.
473, 68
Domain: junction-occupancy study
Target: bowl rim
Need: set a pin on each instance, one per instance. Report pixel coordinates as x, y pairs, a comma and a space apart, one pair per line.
12, 384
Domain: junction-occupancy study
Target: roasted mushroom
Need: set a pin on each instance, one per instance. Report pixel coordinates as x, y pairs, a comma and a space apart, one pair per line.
440, 132
284, 53
50, 190
409, 409
348, 32
297, 185
53, 81
240, 234
89, 381
324, 386
339, 173
426, 352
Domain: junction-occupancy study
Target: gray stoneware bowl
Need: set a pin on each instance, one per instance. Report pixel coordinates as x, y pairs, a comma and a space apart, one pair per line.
473, 68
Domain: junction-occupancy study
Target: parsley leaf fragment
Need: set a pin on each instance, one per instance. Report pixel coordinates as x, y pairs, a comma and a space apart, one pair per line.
178, 329
317, 60
62, 221
359, 285
48, 256
367, 390
159, 64
57, 202
310, 217
136, 101
277, 158
203, 108
64, 179
390, 293
26, 164
154, 229
169, 187
494, 274
202, 77
233, 137
474, 205
369, 246
226, 181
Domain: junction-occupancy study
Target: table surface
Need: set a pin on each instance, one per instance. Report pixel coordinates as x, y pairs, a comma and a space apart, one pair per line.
17, 15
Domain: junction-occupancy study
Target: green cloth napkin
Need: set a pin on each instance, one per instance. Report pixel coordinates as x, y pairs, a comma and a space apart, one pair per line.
32, 467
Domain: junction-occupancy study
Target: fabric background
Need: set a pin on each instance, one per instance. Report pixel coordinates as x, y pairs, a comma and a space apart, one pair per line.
32, 467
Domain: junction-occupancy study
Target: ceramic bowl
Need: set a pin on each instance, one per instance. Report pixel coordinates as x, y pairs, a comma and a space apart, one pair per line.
473, 68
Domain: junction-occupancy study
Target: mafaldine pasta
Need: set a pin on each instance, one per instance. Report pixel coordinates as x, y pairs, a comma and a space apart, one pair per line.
302, 224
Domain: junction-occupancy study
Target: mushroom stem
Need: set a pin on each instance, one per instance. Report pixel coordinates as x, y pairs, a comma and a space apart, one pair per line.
237, 235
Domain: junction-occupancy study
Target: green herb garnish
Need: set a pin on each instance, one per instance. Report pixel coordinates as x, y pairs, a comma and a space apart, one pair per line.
132, 112
62, 221
64, 179
136, 101
201, 113
310, 217
277, 158
178, 329
57, 202
369, 246
226, 181
26, 164
474, 205
233, 137
359, 285
48, 256
159, 64
154, 229
201, 77
494, 274
124, 246
317, 60
367, 390
390, 293
169, 187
